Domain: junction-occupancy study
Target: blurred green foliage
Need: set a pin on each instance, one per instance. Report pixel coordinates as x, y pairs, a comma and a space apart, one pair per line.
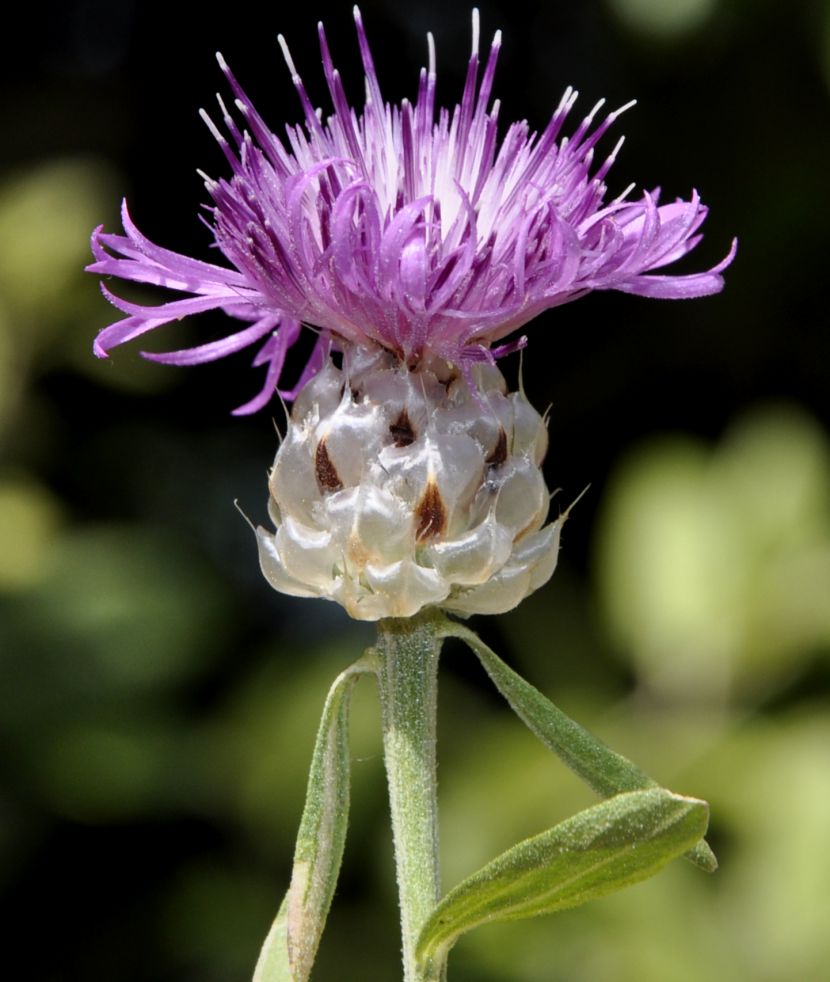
661, 19
721, 558
158, 703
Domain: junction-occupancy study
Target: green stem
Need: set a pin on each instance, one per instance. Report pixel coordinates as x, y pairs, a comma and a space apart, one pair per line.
407, 671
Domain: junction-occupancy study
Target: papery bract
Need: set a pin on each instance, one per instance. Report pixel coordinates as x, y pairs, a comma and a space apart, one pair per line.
396, 490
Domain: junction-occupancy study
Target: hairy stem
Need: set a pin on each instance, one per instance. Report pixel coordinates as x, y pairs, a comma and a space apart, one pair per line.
407, 670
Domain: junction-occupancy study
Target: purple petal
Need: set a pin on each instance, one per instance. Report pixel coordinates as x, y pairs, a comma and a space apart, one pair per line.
214, 350
684, 287
273, 354
410, 227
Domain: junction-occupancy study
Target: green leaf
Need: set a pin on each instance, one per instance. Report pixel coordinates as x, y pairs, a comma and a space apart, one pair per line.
289, 950
607, 772
273, 964
607, 847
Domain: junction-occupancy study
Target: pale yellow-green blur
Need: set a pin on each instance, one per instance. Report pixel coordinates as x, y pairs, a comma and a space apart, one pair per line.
665, 19
714, 563
48, 311
29, 520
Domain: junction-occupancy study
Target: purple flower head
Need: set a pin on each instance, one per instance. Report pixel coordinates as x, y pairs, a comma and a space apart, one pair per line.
413, 229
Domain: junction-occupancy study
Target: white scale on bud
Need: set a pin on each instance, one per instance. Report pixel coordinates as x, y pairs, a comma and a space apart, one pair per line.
394, 490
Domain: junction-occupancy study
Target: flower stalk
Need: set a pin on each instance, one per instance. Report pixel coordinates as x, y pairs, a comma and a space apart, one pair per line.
407, 672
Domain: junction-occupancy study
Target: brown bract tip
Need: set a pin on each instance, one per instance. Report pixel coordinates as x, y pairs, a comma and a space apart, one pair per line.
402, 431
498, 455
430, 513
327, 477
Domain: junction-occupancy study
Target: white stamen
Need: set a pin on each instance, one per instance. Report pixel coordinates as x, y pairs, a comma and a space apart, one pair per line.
222, 106
566, 103
431, 54
590, 117
475, 31
288, 59
212, 127
618, 112
617, 146
209, 181
624, 194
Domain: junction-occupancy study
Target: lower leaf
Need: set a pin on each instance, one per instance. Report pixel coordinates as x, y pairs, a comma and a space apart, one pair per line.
273, 964
292, 942
618, 842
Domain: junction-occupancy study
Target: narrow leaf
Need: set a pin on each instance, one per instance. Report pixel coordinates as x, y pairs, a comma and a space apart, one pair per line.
612, 845
273, 965
606, 771
289, 950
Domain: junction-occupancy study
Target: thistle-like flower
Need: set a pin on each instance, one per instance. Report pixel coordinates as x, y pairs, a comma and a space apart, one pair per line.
414, 241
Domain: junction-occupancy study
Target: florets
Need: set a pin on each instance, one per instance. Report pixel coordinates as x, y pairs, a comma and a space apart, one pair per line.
406, 228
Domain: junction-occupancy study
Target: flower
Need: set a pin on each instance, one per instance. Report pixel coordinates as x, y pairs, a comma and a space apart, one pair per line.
403, 229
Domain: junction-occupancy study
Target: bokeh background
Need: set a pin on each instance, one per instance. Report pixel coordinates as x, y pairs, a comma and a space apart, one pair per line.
158, 701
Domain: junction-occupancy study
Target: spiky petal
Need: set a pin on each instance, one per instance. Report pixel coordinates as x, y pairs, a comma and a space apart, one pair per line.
404, 227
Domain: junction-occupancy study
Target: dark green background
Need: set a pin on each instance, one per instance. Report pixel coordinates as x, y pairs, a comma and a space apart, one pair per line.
158, 701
